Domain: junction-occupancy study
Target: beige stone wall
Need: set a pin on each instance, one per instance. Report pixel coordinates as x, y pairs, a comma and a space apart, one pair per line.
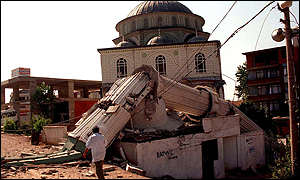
179, 58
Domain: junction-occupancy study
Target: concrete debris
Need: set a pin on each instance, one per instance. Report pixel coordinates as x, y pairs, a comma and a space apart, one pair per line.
109, 169
90, 174
23, 169
43, 177
27, 154
50, 172
77, 163
3, 175
135, 170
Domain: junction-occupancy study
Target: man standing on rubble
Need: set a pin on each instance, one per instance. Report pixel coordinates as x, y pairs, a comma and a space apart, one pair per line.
96, 143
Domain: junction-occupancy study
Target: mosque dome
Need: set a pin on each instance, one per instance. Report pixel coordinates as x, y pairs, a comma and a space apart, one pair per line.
158, 40
159, 6
197, 39
125, 44
174, 20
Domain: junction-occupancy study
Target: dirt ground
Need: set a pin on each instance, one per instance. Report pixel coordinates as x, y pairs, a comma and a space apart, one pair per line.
13, 145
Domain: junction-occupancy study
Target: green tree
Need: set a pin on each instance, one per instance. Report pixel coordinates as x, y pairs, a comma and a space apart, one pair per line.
43, 97
242, 87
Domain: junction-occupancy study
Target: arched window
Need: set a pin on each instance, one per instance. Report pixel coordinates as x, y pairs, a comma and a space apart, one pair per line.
121, 68
174, 21
146, 23
200, 63
160, 64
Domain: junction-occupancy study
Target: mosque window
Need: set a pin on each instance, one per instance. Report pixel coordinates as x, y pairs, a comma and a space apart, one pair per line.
174, 21
159, 21
146, 23
121, 68
200, 63
160, 63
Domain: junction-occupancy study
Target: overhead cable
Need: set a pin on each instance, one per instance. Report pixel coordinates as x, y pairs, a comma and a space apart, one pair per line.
222, 19
263, 26
294, 17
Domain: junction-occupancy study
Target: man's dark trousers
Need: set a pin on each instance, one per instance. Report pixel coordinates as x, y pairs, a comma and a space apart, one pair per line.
99, 169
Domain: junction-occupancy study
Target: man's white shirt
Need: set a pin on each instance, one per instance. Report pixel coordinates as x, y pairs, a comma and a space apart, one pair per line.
96, 143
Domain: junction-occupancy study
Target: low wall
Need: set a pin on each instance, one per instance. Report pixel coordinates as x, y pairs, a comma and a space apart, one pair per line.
54, 134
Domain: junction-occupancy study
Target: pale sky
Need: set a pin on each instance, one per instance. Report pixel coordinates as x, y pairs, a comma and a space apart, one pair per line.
59, 39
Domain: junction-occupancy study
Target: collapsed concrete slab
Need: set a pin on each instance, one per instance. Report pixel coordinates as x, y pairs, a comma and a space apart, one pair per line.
171, 129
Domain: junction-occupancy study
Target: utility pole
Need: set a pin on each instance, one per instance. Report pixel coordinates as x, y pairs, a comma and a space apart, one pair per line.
291, 91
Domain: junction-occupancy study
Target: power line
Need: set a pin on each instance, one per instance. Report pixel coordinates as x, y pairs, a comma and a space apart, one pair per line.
294, 17
223, 18
263, 26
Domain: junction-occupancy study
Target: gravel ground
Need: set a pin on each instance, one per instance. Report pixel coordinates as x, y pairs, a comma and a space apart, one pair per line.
12, 145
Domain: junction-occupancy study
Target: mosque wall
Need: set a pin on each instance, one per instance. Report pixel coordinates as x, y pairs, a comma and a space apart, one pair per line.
180, 59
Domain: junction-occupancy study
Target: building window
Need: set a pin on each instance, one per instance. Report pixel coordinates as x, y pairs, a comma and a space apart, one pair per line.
259, 74
274, 73
275, 89
174, 21
146, 23
266, 58
274, 106
252, 91
200, 63
251, 75
262, 90
285, 71
160, 64
121, 68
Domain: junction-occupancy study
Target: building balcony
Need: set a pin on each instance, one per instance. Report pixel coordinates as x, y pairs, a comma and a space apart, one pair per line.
263, 66
268, 97
264, 81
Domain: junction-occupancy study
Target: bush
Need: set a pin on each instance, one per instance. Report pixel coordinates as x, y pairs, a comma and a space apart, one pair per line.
9, 124
281, 166
38, 122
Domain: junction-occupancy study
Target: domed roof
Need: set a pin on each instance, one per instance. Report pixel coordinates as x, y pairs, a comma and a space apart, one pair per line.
157, 40
159, 6
125, 44
197, 39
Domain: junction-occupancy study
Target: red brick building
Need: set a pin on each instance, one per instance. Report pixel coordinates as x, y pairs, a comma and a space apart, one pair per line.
267, 78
